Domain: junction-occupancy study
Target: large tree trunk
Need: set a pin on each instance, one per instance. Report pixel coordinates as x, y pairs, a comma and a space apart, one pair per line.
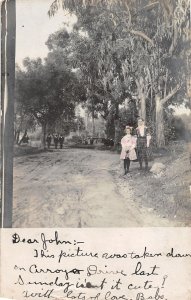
17, 137
142, 98
23, 137
117, 125
143, 106
8, 22
93, 124
160, 138
86, 119
43, 139
117, 132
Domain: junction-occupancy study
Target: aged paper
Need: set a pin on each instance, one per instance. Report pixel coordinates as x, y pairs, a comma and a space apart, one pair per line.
97, 264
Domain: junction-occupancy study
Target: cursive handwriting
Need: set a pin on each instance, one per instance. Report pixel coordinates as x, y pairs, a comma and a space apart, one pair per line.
33, 269
77, 253
47, 294
132, 255
16, 239
93, 270
62, 268
56, 240
140, 271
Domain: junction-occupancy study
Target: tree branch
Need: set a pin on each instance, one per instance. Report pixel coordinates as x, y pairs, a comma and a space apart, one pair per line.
137, 84
174, 41
143, 35
54, 8
171, 94
150, 5
147, 7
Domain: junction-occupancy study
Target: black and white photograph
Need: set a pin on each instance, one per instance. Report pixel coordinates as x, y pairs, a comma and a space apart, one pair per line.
96, 98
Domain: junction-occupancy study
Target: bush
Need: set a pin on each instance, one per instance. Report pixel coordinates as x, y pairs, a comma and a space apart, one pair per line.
76, 139
175, 129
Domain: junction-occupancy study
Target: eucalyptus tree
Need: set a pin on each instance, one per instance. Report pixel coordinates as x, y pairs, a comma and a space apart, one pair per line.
109, 32
159, 66
140, 42
169, 63
81, 53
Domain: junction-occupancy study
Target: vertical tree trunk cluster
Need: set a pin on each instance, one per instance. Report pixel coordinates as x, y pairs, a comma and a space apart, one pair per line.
44, 129
160, 137
142, 97
116, 125
8, 17
93, 124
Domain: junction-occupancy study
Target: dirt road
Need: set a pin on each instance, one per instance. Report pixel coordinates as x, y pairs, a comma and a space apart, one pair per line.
76, 188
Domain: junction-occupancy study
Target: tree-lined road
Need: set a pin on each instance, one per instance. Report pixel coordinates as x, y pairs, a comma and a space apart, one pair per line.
76, 188
130, 61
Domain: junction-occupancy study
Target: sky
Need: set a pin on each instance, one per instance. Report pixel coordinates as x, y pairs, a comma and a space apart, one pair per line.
33, 26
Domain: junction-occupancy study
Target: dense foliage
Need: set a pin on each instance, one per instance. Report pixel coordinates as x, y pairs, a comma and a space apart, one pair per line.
122, 60
132, 50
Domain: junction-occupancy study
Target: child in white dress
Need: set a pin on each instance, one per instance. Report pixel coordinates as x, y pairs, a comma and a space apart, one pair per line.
128, 143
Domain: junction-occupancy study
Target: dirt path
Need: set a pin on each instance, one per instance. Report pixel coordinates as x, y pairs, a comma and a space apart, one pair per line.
76, 188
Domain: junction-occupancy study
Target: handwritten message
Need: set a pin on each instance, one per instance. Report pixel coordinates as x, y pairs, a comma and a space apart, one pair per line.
95, 265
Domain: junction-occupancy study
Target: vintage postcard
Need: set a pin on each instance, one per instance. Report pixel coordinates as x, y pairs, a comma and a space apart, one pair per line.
101, 113
96, 139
